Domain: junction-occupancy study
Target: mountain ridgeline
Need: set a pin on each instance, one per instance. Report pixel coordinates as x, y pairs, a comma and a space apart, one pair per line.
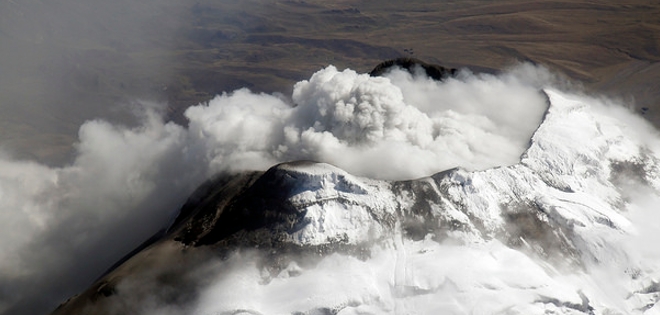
436, 72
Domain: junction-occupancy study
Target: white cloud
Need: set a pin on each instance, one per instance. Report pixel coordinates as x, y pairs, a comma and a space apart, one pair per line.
63, 226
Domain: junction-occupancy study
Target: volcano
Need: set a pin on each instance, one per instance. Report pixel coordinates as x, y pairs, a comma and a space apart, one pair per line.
556, 233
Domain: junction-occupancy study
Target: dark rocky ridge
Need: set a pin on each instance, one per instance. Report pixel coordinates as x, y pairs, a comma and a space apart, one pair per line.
433, 71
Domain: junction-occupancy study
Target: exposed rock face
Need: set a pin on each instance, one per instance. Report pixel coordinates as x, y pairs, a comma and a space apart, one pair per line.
521, 238
436, 72
308, 204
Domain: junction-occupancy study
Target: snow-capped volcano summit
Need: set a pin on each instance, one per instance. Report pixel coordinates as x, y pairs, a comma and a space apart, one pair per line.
556, 233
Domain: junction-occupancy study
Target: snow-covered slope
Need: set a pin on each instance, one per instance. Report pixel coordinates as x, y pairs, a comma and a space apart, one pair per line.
556, 233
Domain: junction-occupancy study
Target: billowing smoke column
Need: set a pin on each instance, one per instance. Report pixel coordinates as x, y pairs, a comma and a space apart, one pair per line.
394, 127
63, 226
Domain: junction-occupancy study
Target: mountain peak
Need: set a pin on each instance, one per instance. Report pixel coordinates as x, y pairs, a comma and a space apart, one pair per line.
530, 237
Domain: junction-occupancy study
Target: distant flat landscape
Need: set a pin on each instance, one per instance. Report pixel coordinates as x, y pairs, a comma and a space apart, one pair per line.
66, 62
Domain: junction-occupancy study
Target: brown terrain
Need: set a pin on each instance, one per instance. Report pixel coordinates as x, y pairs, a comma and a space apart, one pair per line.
63, 63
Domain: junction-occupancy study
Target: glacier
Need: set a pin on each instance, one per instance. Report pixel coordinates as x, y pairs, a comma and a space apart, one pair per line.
560, 232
